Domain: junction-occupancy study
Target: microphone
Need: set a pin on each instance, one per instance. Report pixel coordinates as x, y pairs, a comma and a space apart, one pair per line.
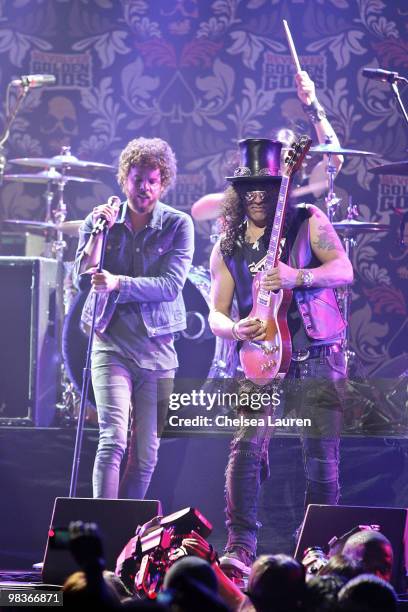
378, 74
34, 80
101, 223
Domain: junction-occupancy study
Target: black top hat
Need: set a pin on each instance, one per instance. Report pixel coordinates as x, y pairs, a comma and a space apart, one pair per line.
260, 160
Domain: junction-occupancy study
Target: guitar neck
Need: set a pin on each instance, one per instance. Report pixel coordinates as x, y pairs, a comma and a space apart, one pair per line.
277, 227
293, 161
274, 242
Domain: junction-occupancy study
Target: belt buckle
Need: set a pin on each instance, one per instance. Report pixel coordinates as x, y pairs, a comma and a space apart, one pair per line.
301, 355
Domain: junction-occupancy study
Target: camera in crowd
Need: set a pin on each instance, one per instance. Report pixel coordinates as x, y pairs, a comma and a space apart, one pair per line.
315, 558
147, 556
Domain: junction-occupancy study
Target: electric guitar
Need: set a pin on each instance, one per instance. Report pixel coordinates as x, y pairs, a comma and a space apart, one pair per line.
264, 360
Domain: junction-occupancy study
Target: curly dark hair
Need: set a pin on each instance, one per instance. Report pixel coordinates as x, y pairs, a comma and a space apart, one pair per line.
234, 212
151, 153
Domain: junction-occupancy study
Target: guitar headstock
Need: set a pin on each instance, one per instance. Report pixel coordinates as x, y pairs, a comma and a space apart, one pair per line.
296, 155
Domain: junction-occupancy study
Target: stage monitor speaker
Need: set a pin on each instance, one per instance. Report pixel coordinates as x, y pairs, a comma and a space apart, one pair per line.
117, 520
323, 522
29, 345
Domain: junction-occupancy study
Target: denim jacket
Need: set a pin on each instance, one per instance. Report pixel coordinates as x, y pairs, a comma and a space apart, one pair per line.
168, 247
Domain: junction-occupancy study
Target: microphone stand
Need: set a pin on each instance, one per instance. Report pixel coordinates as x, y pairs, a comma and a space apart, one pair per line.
9, 120
86, 376
394, 87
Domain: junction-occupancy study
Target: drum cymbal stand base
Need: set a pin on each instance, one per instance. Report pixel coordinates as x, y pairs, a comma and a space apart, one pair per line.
69, 403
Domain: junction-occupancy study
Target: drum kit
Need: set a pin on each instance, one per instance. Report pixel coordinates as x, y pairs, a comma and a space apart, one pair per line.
53, 174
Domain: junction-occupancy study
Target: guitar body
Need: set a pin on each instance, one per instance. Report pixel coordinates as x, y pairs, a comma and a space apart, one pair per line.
264, 360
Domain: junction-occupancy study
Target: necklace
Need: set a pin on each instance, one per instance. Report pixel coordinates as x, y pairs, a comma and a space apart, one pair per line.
251, 239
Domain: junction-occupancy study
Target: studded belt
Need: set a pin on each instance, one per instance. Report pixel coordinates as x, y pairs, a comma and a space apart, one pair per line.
324, 350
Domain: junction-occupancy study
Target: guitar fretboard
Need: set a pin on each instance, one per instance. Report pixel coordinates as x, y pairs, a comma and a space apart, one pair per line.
272, 255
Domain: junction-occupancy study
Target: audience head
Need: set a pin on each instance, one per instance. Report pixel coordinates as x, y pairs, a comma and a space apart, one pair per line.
190, 583
343, 566
373, 550
367, 593
321, 593
276, 581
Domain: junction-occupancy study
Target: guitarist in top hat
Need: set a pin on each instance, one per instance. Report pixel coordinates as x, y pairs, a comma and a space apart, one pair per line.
311, 263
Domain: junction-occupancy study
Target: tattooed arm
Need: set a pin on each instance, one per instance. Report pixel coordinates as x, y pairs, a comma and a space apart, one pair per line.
335, 268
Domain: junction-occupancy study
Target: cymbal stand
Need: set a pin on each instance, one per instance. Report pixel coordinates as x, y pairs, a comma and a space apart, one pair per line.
48, 196
58, 247
331, 200
350, 242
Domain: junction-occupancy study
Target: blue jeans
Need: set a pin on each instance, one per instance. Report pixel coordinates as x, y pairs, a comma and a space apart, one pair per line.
122, 391
315, 388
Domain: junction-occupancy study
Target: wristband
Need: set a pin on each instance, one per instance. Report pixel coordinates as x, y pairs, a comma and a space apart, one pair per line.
315, 111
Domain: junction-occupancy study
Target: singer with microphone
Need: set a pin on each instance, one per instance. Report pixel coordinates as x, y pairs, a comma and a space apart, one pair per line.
149, 250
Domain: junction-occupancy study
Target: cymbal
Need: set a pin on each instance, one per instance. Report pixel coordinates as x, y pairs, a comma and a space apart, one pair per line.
47, 176
400, 167
60, 161
353, 226
70, 228
338, 150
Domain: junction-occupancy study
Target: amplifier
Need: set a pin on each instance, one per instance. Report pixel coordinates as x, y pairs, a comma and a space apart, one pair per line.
29, 340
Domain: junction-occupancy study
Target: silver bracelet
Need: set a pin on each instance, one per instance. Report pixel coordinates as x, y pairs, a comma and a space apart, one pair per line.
306, 278
235, 334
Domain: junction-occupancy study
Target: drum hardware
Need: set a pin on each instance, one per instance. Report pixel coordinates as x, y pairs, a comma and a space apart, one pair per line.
54, 227
63, 162
191, 333
56, 173
328, 148
398, 168
70, 228
333, 149
348, 229
47, 176
331, 200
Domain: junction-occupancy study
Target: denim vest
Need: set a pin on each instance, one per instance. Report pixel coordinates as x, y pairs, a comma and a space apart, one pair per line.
317, 306
168, 247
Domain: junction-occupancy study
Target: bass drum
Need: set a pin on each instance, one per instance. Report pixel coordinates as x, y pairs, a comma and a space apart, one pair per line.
201, 355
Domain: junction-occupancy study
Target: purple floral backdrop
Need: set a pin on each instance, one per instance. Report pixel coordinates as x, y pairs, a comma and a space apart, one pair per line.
203, 74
